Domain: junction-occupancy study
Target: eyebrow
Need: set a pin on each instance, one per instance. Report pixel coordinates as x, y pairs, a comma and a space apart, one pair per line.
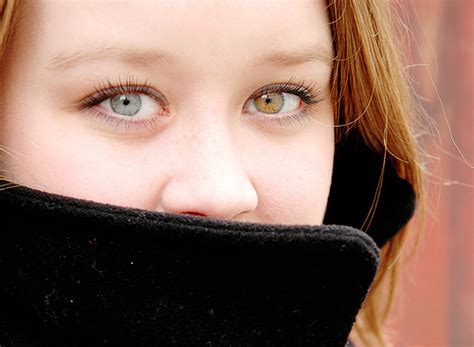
317, 52
66, 60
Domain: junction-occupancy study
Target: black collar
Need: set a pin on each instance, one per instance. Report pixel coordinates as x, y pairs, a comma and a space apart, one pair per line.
76, 272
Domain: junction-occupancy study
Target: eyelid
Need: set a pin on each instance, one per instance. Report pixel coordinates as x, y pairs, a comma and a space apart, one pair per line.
309, 94
108, 89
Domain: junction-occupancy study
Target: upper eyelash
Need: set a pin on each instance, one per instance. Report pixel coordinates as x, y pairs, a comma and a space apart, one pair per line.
308, 94
108, 90
300, 89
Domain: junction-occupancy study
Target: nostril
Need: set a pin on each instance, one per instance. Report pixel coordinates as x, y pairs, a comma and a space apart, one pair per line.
195, 214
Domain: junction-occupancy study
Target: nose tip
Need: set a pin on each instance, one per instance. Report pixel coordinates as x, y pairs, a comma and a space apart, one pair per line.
212, 177
213, 197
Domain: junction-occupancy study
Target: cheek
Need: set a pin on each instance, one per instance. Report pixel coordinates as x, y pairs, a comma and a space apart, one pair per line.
291, 176
64, 160
294, 181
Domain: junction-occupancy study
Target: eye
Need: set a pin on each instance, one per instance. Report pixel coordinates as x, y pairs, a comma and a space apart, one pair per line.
126, 104
278, 102
284, 104
131, 105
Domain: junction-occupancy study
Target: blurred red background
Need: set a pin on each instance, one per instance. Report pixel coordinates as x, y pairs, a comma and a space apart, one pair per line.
435, 300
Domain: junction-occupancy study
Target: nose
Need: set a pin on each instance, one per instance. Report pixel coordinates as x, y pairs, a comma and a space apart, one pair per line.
210, 179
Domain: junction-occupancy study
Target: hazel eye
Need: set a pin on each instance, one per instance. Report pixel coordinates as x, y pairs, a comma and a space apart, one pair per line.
278, 102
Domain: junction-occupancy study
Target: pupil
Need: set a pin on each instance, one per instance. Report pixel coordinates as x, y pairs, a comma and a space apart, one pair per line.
126, 102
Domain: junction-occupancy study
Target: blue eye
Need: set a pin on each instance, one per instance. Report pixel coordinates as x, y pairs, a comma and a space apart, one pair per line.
126, 104
131, 105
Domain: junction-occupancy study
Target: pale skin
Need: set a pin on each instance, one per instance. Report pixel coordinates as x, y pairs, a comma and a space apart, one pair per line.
200, 142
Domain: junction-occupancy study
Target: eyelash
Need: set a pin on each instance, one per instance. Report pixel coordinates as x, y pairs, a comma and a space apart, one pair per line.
309, 95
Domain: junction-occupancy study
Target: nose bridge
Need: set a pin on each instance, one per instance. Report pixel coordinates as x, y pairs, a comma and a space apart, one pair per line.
212, 179
208, 138
210, 153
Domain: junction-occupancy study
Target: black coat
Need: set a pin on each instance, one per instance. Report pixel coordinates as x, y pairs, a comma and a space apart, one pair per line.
80, 273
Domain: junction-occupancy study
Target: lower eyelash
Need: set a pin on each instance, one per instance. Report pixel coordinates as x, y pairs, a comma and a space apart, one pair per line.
302, 118
123, 124
309, 95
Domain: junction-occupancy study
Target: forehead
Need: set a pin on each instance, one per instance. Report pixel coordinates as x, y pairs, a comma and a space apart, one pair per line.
191, 31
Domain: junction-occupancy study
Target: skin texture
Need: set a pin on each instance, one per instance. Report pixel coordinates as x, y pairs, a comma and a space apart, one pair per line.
207, 152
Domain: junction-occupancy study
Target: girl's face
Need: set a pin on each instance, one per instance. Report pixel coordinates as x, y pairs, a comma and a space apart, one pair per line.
219, 108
